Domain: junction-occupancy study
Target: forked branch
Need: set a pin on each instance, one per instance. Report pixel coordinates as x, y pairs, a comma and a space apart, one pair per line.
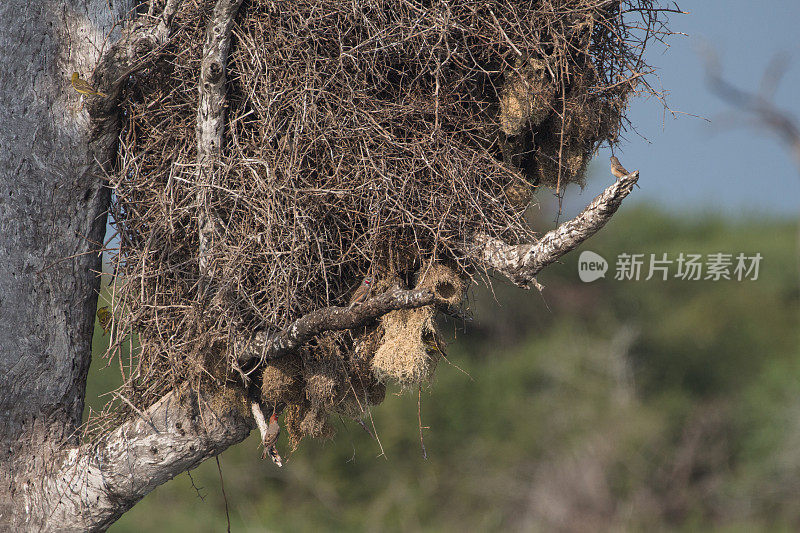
138, 47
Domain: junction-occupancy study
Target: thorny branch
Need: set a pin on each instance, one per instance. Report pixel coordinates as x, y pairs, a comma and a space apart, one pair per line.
263, 346
521, 262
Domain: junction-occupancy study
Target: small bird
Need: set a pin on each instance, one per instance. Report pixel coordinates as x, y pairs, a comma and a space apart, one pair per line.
104, 317
83, 86
362, 292
270, 439
433, 346
617, 169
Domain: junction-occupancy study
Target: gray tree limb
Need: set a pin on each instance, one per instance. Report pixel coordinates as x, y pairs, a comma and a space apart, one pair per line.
265, 346
94, 484
521, 262
211, 120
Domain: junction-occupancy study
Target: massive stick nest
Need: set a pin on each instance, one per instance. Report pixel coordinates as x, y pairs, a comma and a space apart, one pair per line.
362, 138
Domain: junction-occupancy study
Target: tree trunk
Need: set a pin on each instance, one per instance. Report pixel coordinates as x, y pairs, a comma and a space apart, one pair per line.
52, 218
53, 205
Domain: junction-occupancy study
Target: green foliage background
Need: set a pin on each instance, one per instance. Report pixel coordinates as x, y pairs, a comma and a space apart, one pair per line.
615, 405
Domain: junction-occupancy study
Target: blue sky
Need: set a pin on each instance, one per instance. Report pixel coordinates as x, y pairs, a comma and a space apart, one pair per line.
689, 163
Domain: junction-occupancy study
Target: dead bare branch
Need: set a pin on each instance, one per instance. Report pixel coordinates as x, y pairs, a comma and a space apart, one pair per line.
265, 347
521, 262
211, 119
760, 104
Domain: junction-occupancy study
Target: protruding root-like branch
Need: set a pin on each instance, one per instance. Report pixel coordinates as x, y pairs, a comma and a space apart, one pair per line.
211, 116
521, 262
265, 347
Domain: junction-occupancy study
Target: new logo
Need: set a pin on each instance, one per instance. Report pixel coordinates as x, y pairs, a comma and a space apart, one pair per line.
591, 266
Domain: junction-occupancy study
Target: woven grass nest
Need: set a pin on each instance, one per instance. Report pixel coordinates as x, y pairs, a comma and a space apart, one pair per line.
361, 139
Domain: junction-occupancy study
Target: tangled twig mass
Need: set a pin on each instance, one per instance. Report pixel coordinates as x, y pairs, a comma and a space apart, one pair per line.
387, 139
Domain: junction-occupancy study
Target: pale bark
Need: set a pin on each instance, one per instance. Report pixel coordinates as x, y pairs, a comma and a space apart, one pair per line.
521, 262
91, 486
52, 215
211, 123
